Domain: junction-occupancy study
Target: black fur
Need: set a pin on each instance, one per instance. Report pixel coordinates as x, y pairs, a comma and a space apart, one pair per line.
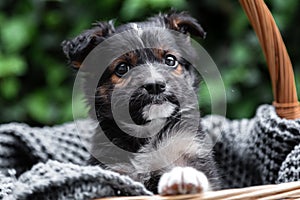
79, 47
76, 51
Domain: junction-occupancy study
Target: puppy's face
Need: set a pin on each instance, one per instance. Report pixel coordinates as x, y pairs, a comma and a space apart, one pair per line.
150, 80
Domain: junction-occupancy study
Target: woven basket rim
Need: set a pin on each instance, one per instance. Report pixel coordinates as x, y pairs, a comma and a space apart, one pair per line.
272, 191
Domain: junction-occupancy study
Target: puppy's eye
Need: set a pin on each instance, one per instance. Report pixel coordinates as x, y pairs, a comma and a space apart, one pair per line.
121, 69
171, 61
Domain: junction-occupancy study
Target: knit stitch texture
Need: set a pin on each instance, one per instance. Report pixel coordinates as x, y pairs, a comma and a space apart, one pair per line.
49, 162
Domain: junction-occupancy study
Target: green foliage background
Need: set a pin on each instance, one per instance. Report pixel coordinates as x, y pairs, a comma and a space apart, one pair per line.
36, 84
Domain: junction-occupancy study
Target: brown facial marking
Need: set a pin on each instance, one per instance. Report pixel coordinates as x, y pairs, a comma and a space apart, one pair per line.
103, 91
159, 54
178, 71
129, 58
123, 82
115, 79
76, 64
132, 59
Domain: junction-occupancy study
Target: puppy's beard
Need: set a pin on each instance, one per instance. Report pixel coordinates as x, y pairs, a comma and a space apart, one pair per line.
158, 111
147, 108
154, 117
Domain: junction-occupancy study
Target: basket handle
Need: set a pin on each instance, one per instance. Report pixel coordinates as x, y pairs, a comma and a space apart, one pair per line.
279, 63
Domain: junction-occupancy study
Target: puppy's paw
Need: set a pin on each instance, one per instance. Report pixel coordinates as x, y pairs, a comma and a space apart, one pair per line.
182, 180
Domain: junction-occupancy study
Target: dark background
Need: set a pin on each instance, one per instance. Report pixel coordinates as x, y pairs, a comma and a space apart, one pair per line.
36, 84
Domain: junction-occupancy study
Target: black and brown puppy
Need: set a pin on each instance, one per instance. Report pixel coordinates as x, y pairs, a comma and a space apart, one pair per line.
155, 83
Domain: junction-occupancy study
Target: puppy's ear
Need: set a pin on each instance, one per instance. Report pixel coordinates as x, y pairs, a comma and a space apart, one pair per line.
184, 23
79, 47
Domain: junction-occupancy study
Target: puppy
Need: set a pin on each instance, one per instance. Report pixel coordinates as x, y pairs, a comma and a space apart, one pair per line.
145, 102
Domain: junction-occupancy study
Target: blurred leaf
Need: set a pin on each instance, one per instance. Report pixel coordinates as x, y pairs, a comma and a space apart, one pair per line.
204, 97
280, 9
78, 103
56, 73
13, 112
132, 9
244, 109
2, 19
239, 23
13, 65
16, 33
159, 4
253, 76
62, 93
240, 53
232, 93
39, 107
53, 19
234, 75
9, 87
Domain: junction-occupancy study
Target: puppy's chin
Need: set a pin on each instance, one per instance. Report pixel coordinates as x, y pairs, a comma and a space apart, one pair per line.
158, 111
147, 108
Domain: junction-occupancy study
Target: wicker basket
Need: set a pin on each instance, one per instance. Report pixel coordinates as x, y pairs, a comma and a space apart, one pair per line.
285, 101
264, 192
279, 64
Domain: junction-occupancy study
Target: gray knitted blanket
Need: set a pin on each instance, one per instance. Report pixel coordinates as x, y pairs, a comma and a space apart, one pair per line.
48, 162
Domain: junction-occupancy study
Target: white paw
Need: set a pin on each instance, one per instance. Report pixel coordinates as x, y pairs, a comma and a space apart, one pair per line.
182, 180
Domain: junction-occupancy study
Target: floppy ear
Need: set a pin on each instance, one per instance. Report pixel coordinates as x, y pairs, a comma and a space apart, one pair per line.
79, 47
184, 23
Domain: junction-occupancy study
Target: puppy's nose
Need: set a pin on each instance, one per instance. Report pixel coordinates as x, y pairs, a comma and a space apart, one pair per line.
155, 87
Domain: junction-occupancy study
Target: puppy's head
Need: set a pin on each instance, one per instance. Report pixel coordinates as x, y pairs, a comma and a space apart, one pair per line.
149, 80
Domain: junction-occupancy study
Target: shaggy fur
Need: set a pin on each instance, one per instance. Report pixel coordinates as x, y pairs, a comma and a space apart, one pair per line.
163, 134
